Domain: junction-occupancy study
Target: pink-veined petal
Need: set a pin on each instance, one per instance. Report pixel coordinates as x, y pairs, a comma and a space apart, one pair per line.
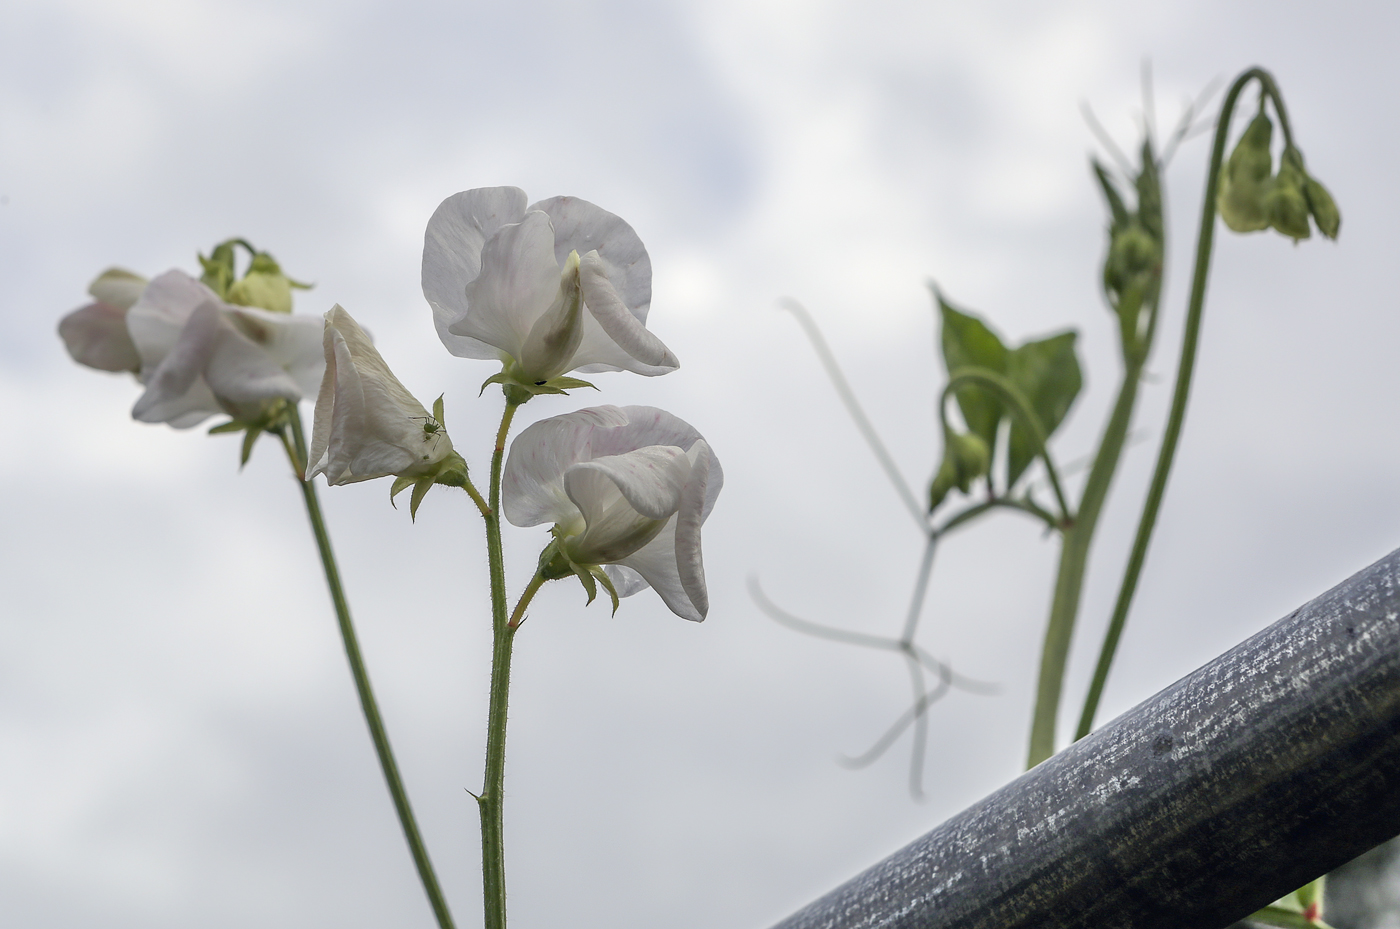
452, 246
532, 485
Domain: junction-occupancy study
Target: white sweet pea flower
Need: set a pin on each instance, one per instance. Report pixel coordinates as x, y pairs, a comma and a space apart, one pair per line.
95, 335
559, 286
367, 423
624, 487
200, 356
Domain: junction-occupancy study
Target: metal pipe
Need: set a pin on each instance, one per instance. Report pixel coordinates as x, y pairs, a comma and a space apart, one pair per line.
1273, 764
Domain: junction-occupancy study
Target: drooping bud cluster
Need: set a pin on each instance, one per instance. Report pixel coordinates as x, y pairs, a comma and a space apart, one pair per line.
1252, 197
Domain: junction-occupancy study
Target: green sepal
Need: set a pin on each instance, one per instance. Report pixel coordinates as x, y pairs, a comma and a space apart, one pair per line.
218, 268
1294, 910
232, 425
399, 484
437, 412
585, 577
1116, 207
249, 438
420, 490
602, 576
519, 391
1047, 373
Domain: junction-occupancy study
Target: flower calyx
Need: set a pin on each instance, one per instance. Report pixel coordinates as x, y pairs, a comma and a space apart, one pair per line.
555, 564
274, 417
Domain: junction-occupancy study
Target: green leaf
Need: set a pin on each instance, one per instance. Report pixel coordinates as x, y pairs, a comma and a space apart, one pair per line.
248, 439
967, 341
1047, 373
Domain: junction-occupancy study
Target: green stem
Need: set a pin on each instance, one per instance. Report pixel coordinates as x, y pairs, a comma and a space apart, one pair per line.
987, 378
517, 615
490, 802
1186, 366
1074, 560
296, 453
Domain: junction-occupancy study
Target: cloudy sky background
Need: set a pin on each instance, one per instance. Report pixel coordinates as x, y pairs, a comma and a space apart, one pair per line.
179, 739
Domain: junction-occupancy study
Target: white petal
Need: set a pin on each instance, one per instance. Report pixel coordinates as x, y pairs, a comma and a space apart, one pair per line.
582, 227
244, 376
157, 320
650, 479
656, 563
647, 425
532, 485
641, 351
518, 282
96, 336
690, 566
319, 456
292, 341
169, 386
452, 248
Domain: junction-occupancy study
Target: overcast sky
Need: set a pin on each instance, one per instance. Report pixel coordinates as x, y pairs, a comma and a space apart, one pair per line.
180, 742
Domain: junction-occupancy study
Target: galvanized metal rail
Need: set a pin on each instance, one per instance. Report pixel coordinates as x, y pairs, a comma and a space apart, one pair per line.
1272, 764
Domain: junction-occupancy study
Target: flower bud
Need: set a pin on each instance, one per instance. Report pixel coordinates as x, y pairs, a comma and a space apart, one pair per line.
965, 459
1285, 204
1244, 179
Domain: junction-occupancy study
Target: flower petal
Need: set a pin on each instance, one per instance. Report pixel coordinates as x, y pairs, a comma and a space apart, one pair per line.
452, 246
96, 336
690, 566
174, 388
243, 376
656, 563
294, 342
650, 479
532, 485
518, 282
581, 227
647, 425
642, 352
157, 320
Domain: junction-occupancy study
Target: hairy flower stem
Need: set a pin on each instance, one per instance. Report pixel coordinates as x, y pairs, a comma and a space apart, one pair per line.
490, 802
1185, 367
296, 453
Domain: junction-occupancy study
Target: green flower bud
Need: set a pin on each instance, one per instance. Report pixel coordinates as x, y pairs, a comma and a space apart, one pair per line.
1323, 207
264, 286
1131, 252
1285, 204
1244, 179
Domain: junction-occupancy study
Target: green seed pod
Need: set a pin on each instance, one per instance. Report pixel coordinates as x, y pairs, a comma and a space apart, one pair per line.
1244, 179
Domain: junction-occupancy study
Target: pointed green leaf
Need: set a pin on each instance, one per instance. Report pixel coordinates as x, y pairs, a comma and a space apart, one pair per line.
232, 425
607, 583
437, 412
420, 490
967, 342
1047, 373
248, 439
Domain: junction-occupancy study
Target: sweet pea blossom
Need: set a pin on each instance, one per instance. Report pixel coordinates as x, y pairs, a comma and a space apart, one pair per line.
624, 487
558, 286
201, 356
367, 423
